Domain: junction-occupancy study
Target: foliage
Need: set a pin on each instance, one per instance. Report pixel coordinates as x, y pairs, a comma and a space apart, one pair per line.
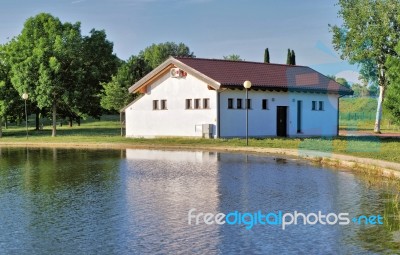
115, 93
59, 68
368, 38
292, 58
233, 57
266, 56
289, 57
392, 102
343, 82
155, 54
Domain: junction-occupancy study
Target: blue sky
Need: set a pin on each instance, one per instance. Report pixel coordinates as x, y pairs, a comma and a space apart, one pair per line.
211, 28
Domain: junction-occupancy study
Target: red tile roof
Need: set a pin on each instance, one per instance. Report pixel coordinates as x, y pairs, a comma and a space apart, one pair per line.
270, 76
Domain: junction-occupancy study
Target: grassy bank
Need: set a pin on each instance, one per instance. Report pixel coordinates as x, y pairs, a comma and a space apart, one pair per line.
359, 114
108, 131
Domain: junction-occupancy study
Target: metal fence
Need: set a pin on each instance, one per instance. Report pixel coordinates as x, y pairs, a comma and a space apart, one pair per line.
357, 116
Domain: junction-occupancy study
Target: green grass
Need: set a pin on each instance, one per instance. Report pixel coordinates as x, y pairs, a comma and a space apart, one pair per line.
359, 114
107, 130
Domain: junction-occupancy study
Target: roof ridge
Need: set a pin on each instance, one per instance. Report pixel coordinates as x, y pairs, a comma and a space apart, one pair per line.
240, 61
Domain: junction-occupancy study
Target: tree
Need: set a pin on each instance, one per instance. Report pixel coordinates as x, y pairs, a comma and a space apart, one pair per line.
115, 93
343, 82
233, 57
155, 54
392, 102
97, 66
292, 58
359, 90
11, 104
289, 57
266, 56
368, 39
59, 68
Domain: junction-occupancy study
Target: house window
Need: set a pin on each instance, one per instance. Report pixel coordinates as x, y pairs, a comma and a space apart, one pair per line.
164, 104
155, 104
321, 105
265, 104
314, 105
230, 103
239, 103
188, 103
248, 105
206, 103
197, 103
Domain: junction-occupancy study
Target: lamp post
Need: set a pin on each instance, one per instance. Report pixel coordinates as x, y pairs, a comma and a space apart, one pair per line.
247, 86
25, 97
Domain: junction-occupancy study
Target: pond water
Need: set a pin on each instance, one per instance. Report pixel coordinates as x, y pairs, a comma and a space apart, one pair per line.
58, 201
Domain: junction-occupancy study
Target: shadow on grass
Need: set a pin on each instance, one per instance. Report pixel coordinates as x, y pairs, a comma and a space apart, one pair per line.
103, 131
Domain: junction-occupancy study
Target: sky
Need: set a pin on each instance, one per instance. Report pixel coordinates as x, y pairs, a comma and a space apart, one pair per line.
211, 28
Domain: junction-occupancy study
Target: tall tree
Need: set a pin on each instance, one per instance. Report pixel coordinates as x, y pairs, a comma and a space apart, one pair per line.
289, 57
115, 93
266, 56
368, 39
59, 68
11, 104
233, 57
155, 54
392, 102
292, 58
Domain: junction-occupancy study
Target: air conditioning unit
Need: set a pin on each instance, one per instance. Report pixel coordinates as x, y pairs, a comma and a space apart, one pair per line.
177, 73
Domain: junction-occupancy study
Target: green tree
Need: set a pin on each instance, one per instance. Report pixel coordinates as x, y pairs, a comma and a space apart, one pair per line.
233, 57
343, 82
115, 93
59, 68
292, 58
266, 56
359, 90
392, 102
11, 104
97, 65
289, 57
155, 54
368, 39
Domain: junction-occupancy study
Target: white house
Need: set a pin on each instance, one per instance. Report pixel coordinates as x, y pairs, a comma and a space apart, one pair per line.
196, 97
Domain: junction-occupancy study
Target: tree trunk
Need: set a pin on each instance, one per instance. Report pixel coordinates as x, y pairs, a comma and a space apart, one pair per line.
79, 121
54, 129
377, 128
37, 119
70, 121
5, 122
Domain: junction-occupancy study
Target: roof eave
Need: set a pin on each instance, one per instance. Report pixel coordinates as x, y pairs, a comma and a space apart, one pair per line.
172, 61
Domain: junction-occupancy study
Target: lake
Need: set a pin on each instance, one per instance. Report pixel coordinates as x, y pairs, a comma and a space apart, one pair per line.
67, 201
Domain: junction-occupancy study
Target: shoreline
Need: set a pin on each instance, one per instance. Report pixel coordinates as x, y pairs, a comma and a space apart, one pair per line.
356, 164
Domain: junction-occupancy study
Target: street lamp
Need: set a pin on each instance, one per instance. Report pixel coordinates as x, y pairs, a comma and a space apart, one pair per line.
25, 97
247, 86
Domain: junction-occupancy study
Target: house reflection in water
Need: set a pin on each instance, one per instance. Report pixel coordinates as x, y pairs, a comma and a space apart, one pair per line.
161, 187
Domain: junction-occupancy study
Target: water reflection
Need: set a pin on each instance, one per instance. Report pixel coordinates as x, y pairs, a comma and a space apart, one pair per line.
136, 202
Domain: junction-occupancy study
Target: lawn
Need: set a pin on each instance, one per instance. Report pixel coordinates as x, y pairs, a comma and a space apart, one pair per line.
107, 130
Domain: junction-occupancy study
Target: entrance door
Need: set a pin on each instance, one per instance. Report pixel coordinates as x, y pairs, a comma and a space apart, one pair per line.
281, 121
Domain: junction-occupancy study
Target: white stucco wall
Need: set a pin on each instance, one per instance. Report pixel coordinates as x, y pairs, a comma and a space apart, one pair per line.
143, 121
263, 122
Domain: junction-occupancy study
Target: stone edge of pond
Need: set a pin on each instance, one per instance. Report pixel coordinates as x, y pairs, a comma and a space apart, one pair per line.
364, 165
